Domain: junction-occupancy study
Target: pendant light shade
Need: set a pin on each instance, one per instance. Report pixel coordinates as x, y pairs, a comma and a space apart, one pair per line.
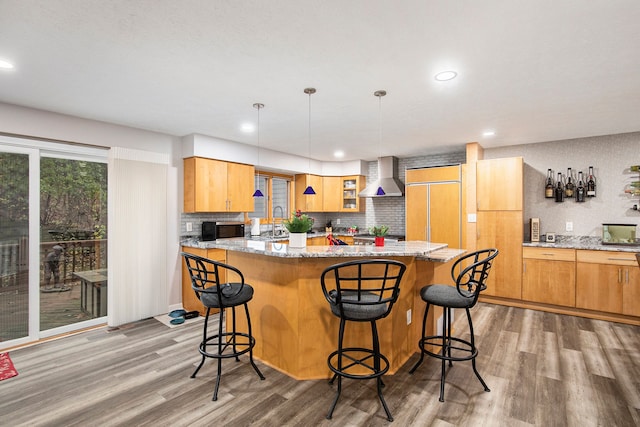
258, 193
309, 190
380, 94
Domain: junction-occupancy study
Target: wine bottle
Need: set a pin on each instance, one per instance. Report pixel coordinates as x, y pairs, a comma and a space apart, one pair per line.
580, 190
632, 191
548, 189
591, 184
559, 189
570, 187
635, 168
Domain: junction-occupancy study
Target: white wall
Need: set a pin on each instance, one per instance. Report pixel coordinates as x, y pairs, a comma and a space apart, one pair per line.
46, 125
610, 155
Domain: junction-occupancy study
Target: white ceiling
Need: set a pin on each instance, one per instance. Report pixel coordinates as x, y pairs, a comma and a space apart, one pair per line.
532, 71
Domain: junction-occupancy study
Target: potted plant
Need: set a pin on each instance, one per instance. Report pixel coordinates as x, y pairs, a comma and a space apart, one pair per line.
379, 231
298, 226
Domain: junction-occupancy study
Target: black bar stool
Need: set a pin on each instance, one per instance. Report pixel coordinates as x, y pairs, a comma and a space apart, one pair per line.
361, 291
469, 283
211, 282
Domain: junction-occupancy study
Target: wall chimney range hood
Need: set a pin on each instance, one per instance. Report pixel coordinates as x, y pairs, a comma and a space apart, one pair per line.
387, 180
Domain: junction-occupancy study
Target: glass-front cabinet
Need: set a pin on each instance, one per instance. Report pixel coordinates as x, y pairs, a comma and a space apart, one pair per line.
351, 186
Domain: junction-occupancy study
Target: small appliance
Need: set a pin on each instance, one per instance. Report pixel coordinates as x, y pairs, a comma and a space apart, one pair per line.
214, 230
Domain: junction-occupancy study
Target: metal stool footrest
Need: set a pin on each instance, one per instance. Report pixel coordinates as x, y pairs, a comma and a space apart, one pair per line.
236, 348
358, 358
446, 351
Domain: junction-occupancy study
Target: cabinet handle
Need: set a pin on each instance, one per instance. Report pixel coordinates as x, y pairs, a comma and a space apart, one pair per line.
626, 276
524, 267
548, 254
621, 259
619, 275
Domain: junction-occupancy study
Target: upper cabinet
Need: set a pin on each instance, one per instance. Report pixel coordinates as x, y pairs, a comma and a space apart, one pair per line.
348, 191
333, 193
309, 203
217, 186
331, 201
500, 184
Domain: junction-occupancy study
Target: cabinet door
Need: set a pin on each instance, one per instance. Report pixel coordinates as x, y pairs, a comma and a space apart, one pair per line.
599, 287
499, 184
502, 230
240, 187
303, 202
445, 214
550, 282
331, 193
204, 181
351, 186
631, 292
416, 212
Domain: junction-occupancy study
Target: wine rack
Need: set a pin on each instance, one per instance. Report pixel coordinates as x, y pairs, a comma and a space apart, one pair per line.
572, 186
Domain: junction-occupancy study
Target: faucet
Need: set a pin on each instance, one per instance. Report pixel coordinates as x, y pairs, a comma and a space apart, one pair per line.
273, 226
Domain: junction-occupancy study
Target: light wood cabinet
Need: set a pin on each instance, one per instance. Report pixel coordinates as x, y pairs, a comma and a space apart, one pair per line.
500, 224
433, 208
317, 241
502, 230
608, 281
309, 203
500, 184
350, 187
190, 301
331, 189
333, 193
217, 186
549, 276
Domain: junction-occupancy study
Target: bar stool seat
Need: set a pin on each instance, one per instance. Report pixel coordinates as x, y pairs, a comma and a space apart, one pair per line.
363, 291
209, 280
469, 283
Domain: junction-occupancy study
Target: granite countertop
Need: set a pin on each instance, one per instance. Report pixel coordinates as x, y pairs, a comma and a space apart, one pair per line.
437, 252
582, 242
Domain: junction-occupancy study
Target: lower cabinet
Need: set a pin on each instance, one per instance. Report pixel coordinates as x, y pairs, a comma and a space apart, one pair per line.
608, 281
502, 230
549, 276
190, 301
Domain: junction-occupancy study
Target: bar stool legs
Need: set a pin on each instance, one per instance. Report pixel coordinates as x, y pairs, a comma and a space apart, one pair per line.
341, 370
446, 343
224, 341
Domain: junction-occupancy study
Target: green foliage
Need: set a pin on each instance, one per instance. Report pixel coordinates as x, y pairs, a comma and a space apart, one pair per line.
379, 230
299, 223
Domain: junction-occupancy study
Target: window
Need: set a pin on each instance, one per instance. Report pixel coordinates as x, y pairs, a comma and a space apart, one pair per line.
277, 196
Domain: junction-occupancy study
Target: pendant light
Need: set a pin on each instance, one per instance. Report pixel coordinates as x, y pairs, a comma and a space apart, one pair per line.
380, 94
309, 190
258, 193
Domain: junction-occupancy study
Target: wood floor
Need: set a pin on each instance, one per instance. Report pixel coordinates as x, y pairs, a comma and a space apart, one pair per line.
543, 369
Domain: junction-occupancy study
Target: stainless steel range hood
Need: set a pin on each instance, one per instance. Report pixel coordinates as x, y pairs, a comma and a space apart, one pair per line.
387, 180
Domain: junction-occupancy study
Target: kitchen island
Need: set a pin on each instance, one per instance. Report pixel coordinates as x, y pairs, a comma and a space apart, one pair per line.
294, 328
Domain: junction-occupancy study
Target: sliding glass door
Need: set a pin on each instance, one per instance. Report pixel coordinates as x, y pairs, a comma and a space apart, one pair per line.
53, 239
14, 244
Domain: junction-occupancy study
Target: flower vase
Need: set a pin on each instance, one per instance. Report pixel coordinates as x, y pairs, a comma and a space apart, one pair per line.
297, 240
379, 241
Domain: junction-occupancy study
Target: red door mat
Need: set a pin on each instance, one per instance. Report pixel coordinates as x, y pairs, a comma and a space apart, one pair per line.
7, 370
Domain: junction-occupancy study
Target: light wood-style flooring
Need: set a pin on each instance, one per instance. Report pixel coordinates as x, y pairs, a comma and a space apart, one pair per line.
543, 369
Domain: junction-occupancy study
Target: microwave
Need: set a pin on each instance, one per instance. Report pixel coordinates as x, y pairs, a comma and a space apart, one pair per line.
213, 230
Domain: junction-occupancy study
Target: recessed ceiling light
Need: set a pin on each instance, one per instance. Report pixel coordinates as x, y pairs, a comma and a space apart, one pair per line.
248, 127
338, 154
443, 76
5, 64
488, 133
